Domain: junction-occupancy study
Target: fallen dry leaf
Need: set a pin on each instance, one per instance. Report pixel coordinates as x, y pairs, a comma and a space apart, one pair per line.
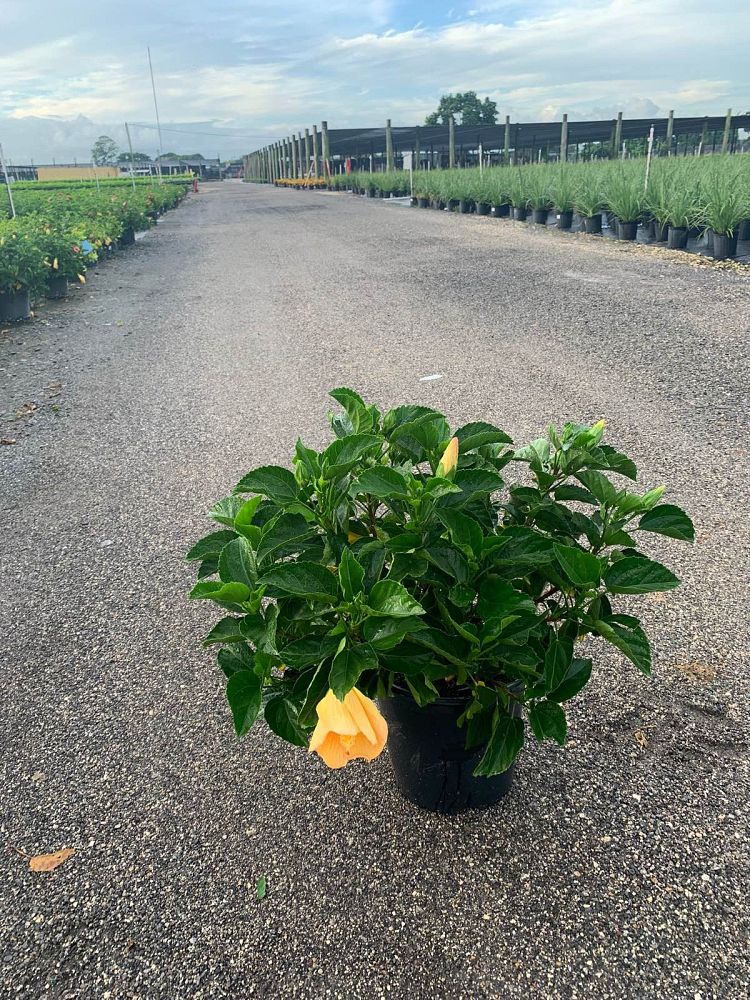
48, 862
7, 440
699, 673
640, 738
26, 410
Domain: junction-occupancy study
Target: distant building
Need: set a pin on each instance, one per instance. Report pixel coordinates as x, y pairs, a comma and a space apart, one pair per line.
74, 172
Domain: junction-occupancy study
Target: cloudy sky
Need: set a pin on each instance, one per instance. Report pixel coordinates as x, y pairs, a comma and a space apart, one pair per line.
231, 76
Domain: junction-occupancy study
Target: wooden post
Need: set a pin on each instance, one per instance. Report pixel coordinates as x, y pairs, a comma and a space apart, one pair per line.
417, 151
506, 146
564, 140
618, 134
388, 146
307, 151
670, 131
326, 149
295, 156
451, 143
301, 148
316, 155
727, 131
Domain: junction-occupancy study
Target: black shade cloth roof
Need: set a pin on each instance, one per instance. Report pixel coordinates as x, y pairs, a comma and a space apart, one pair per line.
354, 141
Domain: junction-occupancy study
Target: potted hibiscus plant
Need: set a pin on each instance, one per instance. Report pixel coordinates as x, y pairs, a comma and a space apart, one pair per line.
395, 589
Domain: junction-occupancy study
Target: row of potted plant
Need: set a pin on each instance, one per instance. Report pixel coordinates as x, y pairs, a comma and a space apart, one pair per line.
58, 233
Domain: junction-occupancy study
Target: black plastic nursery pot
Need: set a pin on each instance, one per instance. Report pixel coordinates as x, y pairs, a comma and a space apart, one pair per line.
57, 287
564, 220
465, 206
519, 214
128, 238
539, 216
724, 246
423, 202
627, 230
483, 208
661, 232
743, 230
14, 307
592, 223
677, 238
648, 228
501, 211
433, 769
453, 204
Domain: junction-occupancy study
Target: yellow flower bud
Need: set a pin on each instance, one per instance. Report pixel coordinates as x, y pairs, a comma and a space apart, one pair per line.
449, 461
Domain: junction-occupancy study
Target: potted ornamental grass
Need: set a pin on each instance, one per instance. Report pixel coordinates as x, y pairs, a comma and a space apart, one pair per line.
434, 592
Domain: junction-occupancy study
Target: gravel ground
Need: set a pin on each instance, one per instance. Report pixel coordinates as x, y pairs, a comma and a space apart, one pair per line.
617, 867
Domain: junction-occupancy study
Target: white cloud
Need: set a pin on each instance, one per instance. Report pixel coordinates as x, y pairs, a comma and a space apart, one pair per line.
270, 70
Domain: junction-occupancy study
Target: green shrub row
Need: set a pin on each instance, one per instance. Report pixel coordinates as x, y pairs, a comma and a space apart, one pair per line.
58, 231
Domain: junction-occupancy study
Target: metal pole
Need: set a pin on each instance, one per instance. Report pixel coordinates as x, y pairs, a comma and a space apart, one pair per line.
388, 146
451, 143
648, 156
132, 158
564, 139
156, 109
7, 183
727, 131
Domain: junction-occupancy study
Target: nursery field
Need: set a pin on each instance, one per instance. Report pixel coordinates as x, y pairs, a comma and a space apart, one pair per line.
63, 228
206, 867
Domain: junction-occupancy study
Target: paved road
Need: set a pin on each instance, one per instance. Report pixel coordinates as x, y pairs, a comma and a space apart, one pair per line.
617, 867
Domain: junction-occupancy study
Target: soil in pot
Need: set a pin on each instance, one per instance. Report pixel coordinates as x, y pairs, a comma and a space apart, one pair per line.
128, 238
501, 211
677, 238
57, 287
539, 216
14, 307
519, 214
465, 206
627, 230
724, 246
483, 208
592, 223
564, 220
433, 769
661, 232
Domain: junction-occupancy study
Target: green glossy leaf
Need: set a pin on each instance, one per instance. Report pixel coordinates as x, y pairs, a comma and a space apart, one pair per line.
317, 689
211, 545
478, 434
272, 481
583, 569
226, 630
464, 531
407, 565
472, 483
575, 678
423, 691
548, 722
498, 599
303, 579
348, 665
387, 633
519, 546
351, 575
309, 650
406, 541
669, 520
569, 491
598, 484
392, 599
343, 454
450, 561
283, 534
360, 415
638, 575
625, 632
557, 661
237, 563
243, 522
224, 593
244, 697
226, 510
504, 745
281, 716
235, 658
381, 482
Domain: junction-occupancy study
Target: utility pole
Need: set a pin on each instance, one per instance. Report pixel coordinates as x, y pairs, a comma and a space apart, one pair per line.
7, 183
132, 158
156, 110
